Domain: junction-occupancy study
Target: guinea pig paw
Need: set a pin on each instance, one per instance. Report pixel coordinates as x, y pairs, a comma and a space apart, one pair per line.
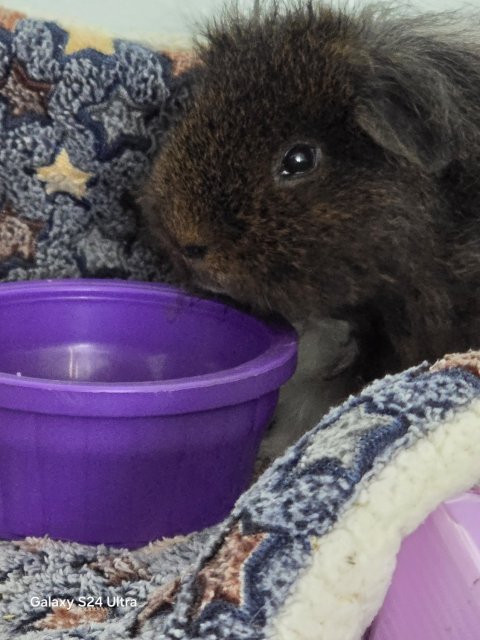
347, 355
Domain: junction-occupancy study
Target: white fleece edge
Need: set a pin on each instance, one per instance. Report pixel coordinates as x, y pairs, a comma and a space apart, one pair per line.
340, 592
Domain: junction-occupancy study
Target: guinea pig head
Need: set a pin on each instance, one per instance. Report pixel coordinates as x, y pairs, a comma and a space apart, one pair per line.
301, 173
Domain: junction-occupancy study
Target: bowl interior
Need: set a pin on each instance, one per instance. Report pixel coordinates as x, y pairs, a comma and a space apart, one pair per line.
132, 336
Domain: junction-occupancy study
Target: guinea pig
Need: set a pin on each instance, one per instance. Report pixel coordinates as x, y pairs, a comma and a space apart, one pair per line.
326, 165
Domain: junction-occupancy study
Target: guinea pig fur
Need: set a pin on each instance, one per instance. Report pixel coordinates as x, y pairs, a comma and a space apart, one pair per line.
327, 166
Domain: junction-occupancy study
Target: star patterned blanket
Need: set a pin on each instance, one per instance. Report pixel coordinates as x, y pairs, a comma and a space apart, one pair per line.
306, 554
81, 117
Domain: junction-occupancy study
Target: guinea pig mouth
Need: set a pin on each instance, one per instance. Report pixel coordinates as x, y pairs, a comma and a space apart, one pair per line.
212, 288
202, 281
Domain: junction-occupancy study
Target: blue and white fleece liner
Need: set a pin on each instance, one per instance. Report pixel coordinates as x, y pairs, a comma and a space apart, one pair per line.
310, 549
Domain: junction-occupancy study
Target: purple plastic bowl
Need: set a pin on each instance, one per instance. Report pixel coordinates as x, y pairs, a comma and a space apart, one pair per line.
129, 411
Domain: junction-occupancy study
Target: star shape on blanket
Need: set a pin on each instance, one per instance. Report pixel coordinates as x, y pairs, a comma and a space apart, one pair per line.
76, 616
469, 361
23, 94
18, 236
222, 576
181, 60
119, 116
62, 175
9, 19
78, 40
340, 439
162, 599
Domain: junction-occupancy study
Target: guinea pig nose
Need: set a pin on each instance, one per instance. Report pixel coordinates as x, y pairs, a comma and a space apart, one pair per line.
195, 251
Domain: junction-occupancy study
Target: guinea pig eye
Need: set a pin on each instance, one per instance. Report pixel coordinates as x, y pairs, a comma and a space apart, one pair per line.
301, 158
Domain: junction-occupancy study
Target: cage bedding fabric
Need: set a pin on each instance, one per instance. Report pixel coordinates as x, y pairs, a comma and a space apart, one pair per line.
81, 117
308, 551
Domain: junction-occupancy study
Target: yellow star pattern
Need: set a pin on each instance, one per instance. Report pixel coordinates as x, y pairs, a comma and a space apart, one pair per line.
61, 175
84, 39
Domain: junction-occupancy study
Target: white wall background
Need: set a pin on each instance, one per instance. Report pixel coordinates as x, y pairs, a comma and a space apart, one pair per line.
150, 19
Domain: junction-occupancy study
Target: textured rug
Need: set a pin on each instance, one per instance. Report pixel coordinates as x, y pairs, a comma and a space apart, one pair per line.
307, 552
81, 116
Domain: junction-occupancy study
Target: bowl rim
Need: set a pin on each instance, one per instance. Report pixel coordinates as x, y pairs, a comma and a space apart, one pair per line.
254, 378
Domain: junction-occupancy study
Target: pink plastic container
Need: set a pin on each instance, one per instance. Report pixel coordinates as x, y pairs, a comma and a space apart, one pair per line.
435, 593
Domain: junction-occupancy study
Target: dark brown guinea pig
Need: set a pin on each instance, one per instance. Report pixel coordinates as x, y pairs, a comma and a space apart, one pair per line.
327, 165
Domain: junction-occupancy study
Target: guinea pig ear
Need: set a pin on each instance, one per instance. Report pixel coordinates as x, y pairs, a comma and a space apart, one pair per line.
405, 119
